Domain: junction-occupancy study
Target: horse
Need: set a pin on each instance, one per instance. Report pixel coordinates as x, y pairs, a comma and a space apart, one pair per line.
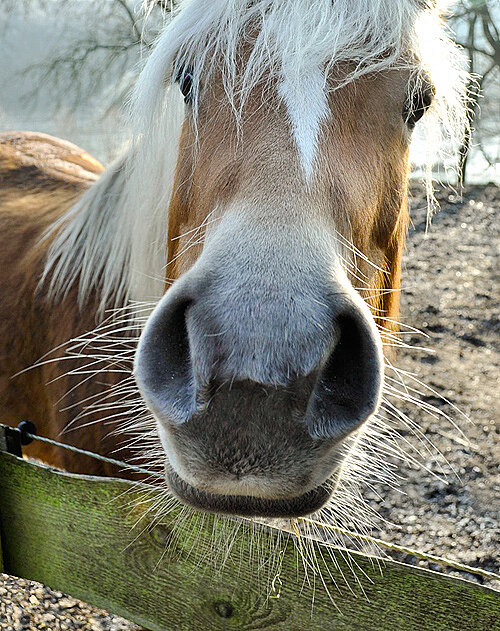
236, 273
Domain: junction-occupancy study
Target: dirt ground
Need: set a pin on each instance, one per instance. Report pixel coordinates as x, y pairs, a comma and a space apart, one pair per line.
451, 294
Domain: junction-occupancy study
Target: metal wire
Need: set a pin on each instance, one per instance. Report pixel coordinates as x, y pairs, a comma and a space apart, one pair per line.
91, 454
456, 565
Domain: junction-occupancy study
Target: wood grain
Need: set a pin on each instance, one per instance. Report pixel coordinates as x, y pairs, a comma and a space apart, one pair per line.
98, 539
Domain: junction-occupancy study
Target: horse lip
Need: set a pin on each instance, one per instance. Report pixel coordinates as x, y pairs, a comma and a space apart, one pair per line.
246, 505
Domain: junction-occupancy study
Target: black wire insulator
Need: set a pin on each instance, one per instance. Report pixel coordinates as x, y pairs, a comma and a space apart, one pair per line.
26, 428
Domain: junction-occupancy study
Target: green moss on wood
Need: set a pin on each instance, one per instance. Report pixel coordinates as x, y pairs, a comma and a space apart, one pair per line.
98, 540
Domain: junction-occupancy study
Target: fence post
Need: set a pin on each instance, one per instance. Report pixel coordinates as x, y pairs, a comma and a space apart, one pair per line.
10, 441
1, 553
3, 447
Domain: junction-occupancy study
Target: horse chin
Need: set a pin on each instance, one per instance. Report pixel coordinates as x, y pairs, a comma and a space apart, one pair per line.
248, 505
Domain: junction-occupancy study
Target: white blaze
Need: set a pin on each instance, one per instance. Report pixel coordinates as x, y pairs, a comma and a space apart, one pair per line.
306, 101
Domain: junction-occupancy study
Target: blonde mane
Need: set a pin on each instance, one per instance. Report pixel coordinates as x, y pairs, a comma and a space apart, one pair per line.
114, 239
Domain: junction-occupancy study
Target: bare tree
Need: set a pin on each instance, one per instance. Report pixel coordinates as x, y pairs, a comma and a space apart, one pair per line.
102, 54
477, 25
100, 58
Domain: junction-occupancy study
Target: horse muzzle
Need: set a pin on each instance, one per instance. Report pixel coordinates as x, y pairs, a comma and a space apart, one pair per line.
255, 394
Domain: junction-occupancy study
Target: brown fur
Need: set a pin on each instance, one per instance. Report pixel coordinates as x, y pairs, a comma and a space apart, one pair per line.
360, 190
40, 177
361, 186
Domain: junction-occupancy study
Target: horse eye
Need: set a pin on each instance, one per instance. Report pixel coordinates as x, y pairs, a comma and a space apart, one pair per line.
417, 104
185, 81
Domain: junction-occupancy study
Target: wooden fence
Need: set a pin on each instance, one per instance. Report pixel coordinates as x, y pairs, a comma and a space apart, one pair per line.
98, 540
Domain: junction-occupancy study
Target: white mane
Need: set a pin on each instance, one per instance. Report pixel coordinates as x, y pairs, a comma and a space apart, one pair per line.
114, 238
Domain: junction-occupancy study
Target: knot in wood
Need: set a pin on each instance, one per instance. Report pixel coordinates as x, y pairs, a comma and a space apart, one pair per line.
224, 609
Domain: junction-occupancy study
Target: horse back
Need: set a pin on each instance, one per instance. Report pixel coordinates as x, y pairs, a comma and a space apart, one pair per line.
31, 160
41, 177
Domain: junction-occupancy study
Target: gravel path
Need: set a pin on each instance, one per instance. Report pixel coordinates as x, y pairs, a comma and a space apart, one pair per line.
450, 294
28, 606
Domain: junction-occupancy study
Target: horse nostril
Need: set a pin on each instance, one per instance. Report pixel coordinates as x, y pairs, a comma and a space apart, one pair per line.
348, 387
163, 368
182, 361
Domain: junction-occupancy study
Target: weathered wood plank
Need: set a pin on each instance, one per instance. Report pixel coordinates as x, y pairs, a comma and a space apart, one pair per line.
97, 540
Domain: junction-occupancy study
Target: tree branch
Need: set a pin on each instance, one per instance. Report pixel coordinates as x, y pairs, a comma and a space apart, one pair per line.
131, 17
